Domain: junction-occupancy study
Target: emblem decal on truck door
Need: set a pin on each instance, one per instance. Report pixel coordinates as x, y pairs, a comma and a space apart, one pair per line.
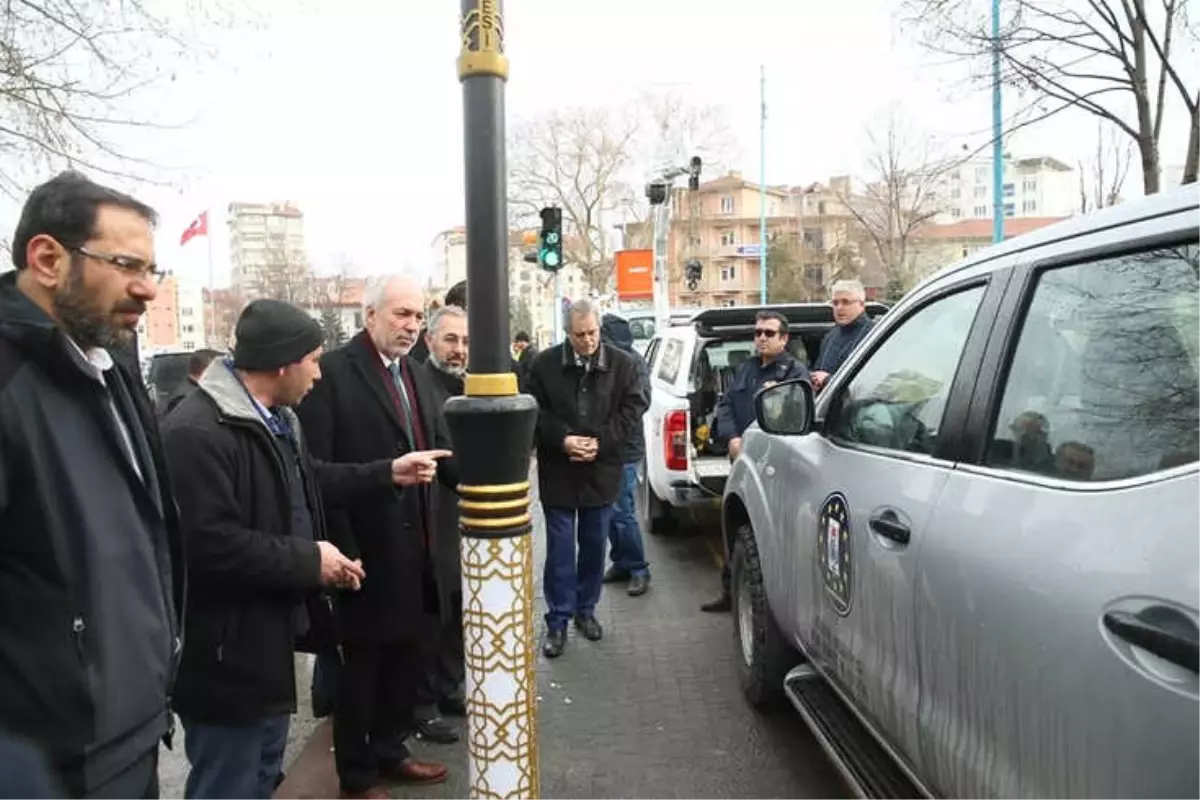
833, 552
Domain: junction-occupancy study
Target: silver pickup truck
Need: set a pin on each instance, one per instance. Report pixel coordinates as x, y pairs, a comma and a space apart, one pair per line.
972, 563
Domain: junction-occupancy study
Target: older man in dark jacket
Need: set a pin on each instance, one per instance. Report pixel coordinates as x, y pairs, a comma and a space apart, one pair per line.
442, 689
91, 564
251, 500
589, 400
626, 548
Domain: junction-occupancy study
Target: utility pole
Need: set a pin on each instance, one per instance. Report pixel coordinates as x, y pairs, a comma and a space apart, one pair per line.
658, 192
762, 187
491, 427
997, 132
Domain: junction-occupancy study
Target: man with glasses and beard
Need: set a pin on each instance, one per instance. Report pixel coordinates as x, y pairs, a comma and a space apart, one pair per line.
91, 570
735, 410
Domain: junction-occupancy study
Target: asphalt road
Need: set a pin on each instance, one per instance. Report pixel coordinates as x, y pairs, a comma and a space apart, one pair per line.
653, 710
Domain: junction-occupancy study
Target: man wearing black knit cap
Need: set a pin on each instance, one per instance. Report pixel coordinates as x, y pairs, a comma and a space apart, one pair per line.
259, 565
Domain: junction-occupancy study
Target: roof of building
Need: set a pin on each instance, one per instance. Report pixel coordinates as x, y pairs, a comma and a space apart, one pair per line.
982, 228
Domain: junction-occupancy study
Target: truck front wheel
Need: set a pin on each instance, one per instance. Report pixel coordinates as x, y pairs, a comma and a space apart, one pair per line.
764, 655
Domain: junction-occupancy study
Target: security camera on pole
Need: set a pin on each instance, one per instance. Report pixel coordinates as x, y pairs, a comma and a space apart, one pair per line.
549, 256
658, 192
492, 429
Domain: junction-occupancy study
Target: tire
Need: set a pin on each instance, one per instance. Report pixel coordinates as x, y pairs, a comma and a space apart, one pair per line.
764, 657
654, 515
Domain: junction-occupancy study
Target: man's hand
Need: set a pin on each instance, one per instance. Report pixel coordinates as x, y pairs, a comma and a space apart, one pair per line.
581, 448
411, 469
585, 448
735, 448
337, 570
818, 379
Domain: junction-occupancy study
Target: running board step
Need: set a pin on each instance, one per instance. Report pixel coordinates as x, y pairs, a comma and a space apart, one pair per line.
864, 764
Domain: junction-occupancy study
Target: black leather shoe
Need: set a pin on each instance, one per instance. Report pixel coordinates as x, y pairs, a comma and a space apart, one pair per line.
721, 604
555, 641
590, 628
615, 575
437, 730
639, 584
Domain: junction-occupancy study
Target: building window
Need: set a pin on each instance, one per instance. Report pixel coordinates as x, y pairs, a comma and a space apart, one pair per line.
981, 211
981, 191
728, 237
1029, 206
955, 193
185, 312
726, 205
981, 173
955, 213
728, 273
1010, 189
1030, 185
1010, 209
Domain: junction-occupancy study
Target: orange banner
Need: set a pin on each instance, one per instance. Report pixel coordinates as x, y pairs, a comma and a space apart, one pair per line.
635, 274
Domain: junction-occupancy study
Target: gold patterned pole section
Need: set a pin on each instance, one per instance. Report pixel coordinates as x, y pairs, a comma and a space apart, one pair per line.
492, 430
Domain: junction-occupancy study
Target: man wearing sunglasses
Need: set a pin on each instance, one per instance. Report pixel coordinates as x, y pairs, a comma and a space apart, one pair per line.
735, 410
91, 572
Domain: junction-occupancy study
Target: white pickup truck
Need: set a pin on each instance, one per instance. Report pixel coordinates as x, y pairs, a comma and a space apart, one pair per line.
691, 364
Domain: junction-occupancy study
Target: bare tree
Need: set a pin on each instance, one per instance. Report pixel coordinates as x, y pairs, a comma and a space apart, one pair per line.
71, 71
898, 197
572, 159
284, 274
593, 162
1103, 176
1115, 59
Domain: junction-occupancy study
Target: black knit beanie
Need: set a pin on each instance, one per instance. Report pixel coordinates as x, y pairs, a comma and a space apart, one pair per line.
271, 334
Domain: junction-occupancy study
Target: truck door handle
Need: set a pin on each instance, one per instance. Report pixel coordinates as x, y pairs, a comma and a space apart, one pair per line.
1160, 630
886, 523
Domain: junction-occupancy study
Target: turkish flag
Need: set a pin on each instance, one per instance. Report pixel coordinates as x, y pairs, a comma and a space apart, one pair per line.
199, 227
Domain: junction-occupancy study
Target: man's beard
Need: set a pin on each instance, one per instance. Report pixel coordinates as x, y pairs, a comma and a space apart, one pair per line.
81, 319
457, 370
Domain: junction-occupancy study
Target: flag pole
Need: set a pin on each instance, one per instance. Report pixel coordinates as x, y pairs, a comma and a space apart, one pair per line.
212, 287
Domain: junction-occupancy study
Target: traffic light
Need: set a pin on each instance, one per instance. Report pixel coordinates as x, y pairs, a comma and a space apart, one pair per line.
694, 173
550, 253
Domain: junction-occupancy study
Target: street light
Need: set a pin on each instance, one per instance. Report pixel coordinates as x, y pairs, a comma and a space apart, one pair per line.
492, 430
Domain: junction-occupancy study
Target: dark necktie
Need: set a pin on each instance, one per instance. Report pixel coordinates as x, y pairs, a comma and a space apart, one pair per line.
405, 406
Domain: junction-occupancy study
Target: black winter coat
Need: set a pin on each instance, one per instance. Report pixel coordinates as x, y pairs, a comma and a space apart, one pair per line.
350, 417
250, 577
604, 400
447, 556
91, 563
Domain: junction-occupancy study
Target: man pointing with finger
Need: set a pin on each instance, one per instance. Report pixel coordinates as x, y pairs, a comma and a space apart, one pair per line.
251, 503
376, 402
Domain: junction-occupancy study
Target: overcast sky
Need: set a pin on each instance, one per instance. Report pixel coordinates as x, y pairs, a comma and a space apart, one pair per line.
352, 109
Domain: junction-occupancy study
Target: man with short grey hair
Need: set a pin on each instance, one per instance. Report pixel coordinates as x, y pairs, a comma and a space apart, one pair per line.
849, 301
589, 399
441, 688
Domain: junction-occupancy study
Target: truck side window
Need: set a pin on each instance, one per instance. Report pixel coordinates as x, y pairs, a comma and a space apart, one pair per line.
1103, 382
898, 396
668, 368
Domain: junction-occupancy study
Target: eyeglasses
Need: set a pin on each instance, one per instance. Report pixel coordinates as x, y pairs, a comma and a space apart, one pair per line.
133, 267
765, 333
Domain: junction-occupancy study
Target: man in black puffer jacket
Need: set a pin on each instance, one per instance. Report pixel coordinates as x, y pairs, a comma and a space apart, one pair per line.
625, 546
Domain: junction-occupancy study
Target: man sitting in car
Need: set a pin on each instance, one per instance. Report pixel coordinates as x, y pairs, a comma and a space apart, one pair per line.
735, 410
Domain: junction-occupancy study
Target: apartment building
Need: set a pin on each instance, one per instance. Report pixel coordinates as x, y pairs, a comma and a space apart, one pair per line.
158, 329
267, 251
1035, 187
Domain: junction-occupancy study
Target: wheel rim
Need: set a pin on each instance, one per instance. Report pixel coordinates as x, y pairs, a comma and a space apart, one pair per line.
745, 619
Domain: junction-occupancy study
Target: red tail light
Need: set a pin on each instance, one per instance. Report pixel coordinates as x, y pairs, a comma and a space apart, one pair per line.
675, 440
